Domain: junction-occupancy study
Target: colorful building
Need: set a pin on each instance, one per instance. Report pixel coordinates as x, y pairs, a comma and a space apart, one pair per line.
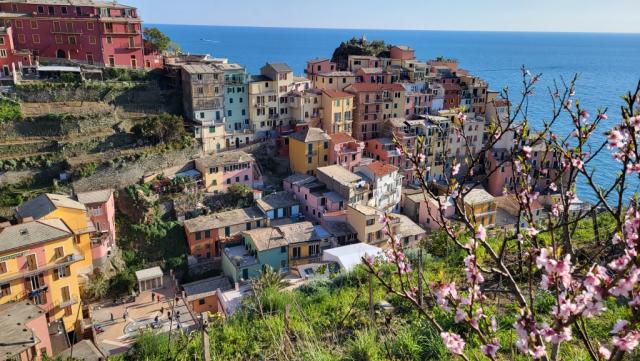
479, 206
334, 80
11, 60
92, 32
205, 295
306, 242
319, 66
40, 260
25, 333
350, 186
203, 103
268, 98
308, 150
337, 107
72, 214
102, 212
345, 150
280, 207
365, 220
238, 131
260, 248
373, 104
315, 198
385, 184
383, 150
208, 235
227, 168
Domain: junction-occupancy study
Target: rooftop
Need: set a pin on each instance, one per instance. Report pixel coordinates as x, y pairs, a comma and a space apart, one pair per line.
149, 273
277, 200
45, 204
239, 256
337, 94
16, 336
303, 232
380, 169
317, 60
339, 173
95, 197
372, 70
198, 69
223, 219
366, 210
266, 238
109, 4
341, 138
299, 178
337, 73
84, 350
205, 287
478, 195
338, 229
310, 135
407, 227
31, 233
279, 67
371, 87
225, 158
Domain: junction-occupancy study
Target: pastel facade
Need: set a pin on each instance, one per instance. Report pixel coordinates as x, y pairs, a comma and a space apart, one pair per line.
25, 332
402, 52
366, 221
350, 186
316, 200
373, 76
225, 169
40, 261
479, 206
306, 108
208, 235
319, 66
238, 131
102, 212
337, 116
385, 184
373, 104
11, 60
205, 295
268, 98
260, 248
334, 80
100, 33
280, 206
345, 150
308, 150
306, 242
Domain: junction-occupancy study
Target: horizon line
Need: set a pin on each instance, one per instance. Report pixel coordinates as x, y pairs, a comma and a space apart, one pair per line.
402, 29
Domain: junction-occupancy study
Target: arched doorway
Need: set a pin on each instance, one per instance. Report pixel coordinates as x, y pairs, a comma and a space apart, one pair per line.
60, 54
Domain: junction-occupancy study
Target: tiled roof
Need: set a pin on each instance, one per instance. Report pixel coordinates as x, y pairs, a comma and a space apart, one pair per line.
302, 232
317, 60
310, 135
223, 219
299, 178
478, 195
337, 73
277, 200
45, 204
380, 169
198, 69
31, 233
84, 350
205, 287
371, 87
338, 229
279, 67
337, 94
338, 138
95, 197
339, 173
408, 227
16, 335
225, 158
266, 238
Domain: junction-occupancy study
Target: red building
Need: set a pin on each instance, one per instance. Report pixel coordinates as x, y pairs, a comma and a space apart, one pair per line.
87, 31
452, 92
11, 59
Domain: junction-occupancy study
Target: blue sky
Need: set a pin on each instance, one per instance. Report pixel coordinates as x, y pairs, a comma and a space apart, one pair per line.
501, 15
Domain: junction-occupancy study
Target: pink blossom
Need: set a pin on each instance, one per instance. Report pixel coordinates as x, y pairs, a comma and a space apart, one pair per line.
602, 116
532, 231
616, 139
604, 352
491, 349
527, 151
455, 169
538, 352
453, 342
578, 163
481, 233
585, 114
627, 343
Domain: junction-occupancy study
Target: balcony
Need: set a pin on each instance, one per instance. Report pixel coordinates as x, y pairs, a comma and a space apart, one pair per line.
65, 32
121, 32
134, 46
65, 303
234, 81
69, 259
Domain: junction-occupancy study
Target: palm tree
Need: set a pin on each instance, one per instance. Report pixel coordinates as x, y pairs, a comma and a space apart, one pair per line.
270, 278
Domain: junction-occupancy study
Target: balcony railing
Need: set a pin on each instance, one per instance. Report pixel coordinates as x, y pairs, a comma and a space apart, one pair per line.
61, 262
65, 32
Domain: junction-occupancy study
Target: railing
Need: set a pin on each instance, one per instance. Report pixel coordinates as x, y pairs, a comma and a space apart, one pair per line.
66, 32
64, 261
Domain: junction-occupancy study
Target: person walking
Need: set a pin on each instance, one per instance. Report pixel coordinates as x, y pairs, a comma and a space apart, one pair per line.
125, 315
158, 298
153, 296
111, 316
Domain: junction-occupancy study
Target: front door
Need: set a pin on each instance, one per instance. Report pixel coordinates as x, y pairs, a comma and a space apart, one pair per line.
245, 274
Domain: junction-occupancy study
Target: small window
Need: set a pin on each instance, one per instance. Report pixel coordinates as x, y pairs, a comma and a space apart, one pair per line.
201, 301
283, 249
63, 9
3, 267
5, 289
198, 236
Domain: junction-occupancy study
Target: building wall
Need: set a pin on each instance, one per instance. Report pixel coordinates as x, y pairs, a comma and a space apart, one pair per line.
429, 214
303, 161
220, 180
348, 155
213, 243
337, 107
210, 304
236, 101
103, 217
78, 221
333, 82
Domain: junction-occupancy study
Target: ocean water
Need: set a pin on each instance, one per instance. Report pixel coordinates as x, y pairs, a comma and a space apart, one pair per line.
607, 64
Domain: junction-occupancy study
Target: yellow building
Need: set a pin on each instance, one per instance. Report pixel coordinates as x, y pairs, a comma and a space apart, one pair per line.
365, 221
40, 261
480, 207
268, 97
73, 215
337, 115
308, 150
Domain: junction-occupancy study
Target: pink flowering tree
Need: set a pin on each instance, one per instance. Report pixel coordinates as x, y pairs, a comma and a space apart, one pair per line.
540, 256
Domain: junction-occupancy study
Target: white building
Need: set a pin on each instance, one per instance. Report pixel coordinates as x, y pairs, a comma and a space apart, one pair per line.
386, 185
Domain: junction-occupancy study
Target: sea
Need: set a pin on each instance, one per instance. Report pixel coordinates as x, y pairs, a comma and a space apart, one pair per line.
608, 65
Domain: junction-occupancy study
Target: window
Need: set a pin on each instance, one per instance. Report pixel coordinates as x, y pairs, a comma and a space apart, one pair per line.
283, 249
3, 53
246, 177
229, 181
61, 272
283, 263
314, 250
1, 41
63, 10
227, 231
19, 24
237, 179
79, 11
229, 113
92, 39
5, 289
52, 10
134, 62
34, 24
32, 263
41, 9
3, 267
72, 40
370, 222
68, 311
58, 39
65, 293
207, 233
202, 115
198, 236
109, 40
58, 252
212, 129
296, 252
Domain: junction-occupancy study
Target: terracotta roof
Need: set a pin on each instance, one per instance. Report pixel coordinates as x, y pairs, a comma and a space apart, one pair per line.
337, 94
371, 87
341, 138
223, 219
380, 169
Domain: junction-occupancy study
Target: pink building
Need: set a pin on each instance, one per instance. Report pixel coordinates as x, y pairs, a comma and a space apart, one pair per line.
373, 76
101, 33
11, 59
429, 215
345, 150
222, 170
102, 211
25, 332
383, 150
318, 66
315, 198
402, 52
